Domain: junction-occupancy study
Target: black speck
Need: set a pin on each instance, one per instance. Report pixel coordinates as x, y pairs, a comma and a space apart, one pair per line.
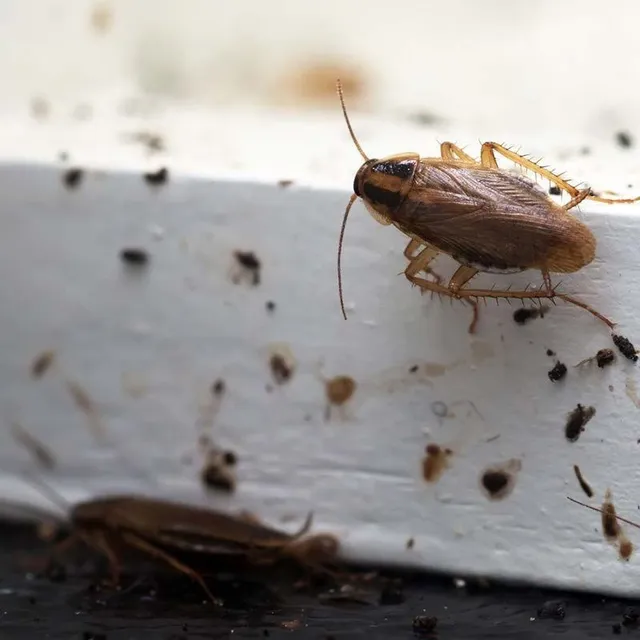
134, 257
555, 191
91, 635
215, 477
605, 357
32, 600
230, 458
285, 183
577, 420
625, 347
265, 633
551, 353
558, 372
63, 156
424, 118
424, 624
624, 139
413, 369
494, 481
271, 306
585, 151
522, 316
157, 177
280, 368
616, 629
72, 177
555, 609
249, 261
218, 387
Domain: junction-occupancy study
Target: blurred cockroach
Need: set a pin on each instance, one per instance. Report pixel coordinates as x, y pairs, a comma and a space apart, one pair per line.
486, 218
153, 526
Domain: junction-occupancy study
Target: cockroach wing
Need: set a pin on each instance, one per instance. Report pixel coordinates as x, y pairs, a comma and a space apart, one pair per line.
493, 220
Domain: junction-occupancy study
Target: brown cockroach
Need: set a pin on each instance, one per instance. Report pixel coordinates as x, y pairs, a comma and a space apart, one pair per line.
487, 219
154, 526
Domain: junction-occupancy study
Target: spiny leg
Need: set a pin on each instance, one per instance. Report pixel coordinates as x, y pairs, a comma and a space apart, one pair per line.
462, 275
420, 261
488, 159
452, 152
156, 552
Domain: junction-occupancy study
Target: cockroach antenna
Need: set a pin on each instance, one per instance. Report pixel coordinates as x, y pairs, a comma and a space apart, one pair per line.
351, 200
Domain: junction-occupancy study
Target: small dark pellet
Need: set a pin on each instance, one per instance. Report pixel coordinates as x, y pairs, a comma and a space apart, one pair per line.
555, 609
554, 191
624, 139
72, 177
625, 347
558, 372
157, 177
134, 257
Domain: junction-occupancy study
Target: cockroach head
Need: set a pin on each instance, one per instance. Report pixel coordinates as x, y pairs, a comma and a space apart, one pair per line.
361, 176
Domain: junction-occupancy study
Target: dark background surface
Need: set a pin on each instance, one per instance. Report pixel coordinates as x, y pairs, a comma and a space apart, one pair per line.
67, 602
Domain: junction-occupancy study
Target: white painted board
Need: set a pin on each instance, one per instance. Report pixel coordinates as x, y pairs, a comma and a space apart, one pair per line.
147, 347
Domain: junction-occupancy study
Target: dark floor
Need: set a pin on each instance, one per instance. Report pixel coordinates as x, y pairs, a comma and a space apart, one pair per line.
66, 603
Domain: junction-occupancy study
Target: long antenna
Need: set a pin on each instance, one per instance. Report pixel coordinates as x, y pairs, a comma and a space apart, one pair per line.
617, 517
344, 226
346, 117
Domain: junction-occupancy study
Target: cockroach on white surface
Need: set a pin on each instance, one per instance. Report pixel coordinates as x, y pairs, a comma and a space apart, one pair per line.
486, 218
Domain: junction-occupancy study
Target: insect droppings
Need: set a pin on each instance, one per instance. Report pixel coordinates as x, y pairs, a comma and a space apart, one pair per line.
625, 548
584, 485
285, 183
435, 462
270, 305
134, 257
218, 387
216, 476
42, 363
605, 357
72, 177
551, 353
558, 372
498, 481
339, 389
610, 525
624, 139
576, 421
524, 315
156, 178
554, 191
282, 364
625, 347
250, 262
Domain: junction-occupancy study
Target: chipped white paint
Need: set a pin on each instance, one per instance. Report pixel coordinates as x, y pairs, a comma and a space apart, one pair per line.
147, 346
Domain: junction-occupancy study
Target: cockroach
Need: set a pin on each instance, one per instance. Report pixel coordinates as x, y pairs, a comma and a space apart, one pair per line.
487, 219
153, 526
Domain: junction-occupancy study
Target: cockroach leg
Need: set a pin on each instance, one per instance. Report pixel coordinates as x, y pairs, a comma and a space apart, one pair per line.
546, 278
411, 248
155, 552
421, 261
98, 540
452, 152
586, 307
488, 159
410, 254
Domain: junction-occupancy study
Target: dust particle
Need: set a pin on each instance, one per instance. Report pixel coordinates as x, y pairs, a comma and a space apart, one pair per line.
42, 363
134, 257
524, 315
554, 190
424, 624
282, 365
414, 368
156, 178
249, 261
577, 420
558, 372
584, 485
498, 481
625, 549
605, 357
410, 543
424, 118
72, 177
435, 462
625, 347
270, 306
439, 409
340, 389
551, 353
285, 183
39, 108
101, 18
218, 387
153, 142
624, 139
216, 476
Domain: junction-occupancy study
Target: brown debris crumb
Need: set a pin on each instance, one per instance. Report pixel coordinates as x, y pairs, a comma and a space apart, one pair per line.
282, 365
156, 178
435, 462
339, 389
605, 357
101, 18
625, 347
584, 485
42, 363
610, 525
285, 183
577, 420
215, 475
72, 177
625, 549
39, 108
558, 372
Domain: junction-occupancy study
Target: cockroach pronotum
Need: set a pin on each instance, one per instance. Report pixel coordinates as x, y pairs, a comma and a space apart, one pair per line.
154, 526
487, 219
